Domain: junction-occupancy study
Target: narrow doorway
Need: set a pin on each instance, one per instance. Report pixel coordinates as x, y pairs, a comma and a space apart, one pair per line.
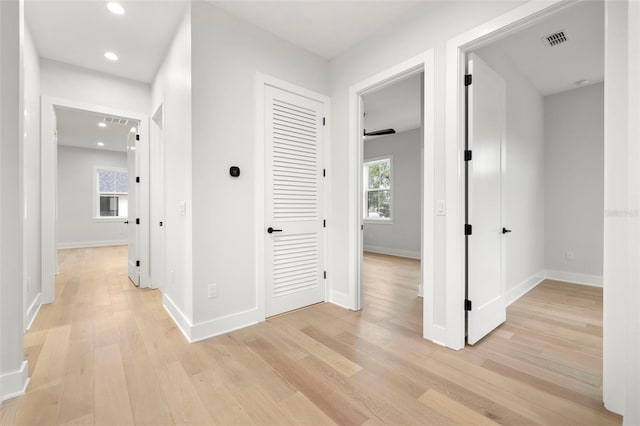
392, 175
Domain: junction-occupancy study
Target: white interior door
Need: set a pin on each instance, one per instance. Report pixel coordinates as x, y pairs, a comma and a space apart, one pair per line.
294, 215
486, 109
133, 228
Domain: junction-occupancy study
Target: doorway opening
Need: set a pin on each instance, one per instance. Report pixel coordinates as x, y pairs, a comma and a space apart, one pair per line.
420, 68
392, 147
534, 204
94, 168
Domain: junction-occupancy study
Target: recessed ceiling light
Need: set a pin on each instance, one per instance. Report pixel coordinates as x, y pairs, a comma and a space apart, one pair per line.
582, 82
115, 8
102, 124
111, 56
100, 143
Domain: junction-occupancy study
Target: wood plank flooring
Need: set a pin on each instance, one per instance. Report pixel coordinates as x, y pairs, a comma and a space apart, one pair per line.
107, 353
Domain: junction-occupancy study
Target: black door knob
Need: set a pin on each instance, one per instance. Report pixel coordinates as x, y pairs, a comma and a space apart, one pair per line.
126, 222
505, 230
271, 230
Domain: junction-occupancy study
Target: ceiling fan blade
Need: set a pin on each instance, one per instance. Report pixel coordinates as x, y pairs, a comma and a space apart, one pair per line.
380, 132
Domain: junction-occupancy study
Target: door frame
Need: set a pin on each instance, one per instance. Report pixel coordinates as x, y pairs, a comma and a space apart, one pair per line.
423, 62
456, 52
262, 80
48, 158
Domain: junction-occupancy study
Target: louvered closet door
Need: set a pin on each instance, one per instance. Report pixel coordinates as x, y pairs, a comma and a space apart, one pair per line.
294, 135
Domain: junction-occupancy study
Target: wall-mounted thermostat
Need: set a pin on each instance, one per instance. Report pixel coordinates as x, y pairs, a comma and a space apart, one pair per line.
234, 171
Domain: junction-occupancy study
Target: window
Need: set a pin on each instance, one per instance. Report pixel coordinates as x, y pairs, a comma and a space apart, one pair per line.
112, 193
377, 189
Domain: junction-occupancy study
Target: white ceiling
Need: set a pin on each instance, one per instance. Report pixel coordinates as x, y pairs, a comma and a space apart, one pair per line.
325, 28
80, 32
556, 69
396, 106
80, 128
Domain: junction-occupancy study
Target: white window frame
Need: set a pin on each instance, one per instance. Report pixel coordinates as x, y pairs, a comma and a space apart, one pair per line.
365, 189
96, 195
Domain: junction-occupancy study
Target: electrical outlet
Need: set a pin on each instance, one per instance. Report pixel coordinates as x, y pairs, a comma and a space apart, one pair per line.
570, 255
212, 291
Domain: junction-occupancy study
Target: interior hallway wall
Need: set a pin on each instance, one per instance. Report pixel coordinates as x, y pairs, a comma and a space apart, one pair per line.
76, 225
524, 178
574, 183
400, 237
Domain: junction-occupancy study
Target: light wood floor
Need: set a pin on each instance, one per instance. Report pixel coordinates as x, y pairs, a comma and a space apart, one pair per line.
107, 353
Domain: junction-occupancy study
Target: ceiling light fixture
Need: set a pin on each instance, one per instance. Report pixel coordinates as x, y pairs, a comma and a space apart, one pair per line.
115, 8
102, 124
100, 143
111, 56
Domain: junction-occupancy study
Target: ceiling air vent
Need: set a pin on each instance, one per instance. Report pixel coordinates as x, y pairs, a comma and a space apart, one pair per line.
116, 120
554, 39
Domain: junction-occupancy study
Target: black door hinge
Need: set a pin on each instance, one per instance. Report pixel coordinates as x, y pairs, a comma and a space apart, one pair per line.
324, 172
467, 80
137, 137
137, 179
137, 263
161, 224
325, 275
467, 305
324, 121
468, 229
362, 227
324, 223
468, 155
137, 221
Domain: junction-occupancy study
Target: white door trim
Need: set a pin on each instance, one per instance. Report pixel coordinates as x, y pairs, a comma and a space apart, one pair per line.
454, 147
261, 81
421, 63
49, 188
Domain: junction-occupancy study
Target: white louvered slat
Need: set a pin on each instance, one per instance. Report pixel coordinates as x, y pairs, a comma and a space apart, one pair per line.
301, 274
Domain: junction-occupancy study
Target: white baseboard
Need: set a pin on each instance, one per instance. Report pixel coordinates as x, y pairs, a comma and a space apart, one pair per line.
524, 287
14, 383
574, 277
85, 244
341, 299
393, 252
32, 312
210, 328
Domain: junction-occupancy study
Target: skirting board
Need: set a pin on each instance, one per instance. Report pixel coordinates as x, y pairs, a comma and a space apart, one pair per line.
32, 312
393, 252
211, 328
15, 383
341, 299
575, 278
86, 244
524, 287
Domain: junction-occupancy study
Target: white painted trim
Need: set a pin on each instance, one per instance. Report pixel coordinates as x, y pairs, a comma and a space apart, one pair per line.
14, 383
574, 278
210, 328
262, 80
423, 62
339, 298
411, 254
83, 244
49, 187
454, 146
32, 312
524, 287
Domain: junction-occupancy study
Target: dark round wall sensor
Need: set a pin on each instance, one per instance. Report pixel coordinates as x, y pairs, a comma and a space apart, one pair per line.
234, 171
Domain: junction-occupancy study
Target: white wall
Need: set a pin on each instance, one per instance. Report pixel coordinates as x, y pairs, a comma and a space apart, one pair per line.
227, 54
69, 82
392, 45
13, 368
76, 226
401, 237
31, 178
574, 186
172, 88
524, 178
